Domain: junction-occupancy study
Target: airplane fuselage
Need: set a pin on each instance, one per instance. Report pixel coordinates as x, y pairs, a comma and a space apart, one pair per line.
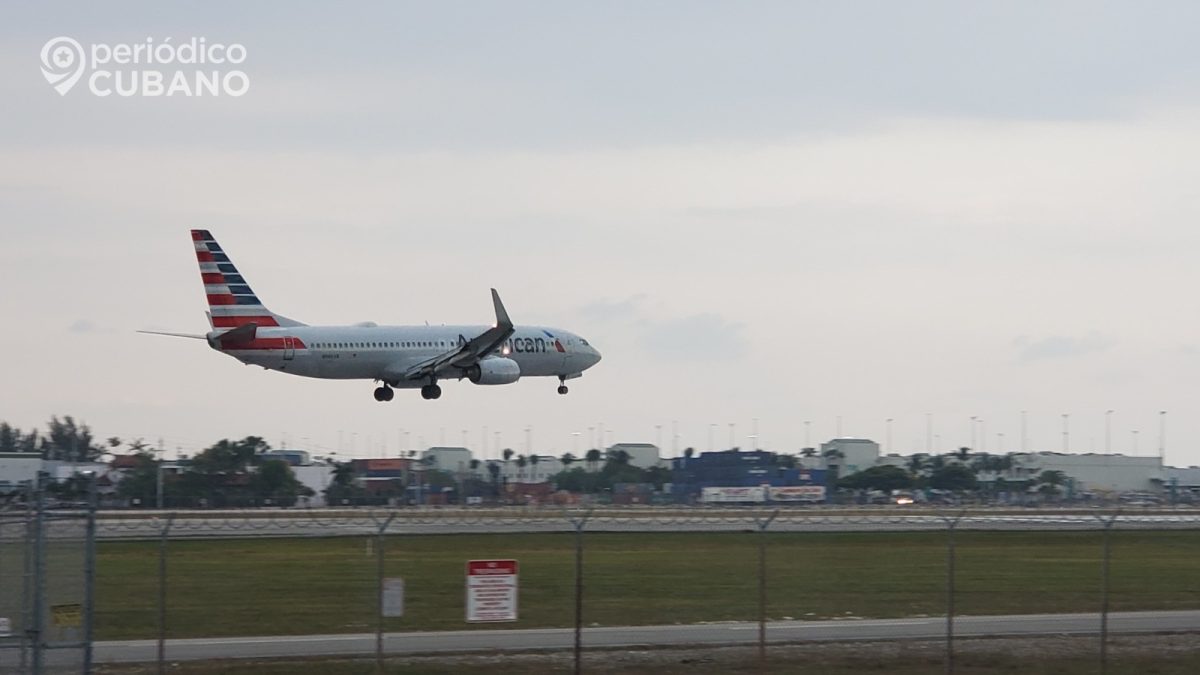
385, 353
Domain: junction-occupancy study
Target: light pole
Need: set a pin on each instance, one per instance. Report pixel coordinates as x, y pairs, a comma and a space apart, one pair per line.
982, 435
1135, 441
674, 438
1066, 418
754, 432
1162, 436
1024, 433
731, 435
574, 441
973, 418
1108, 432
888, 422
807, 433
1000, 442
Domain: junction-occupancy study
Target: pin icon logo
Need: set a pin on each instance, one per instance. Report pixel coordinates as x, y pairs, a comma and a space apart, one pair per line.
62, 63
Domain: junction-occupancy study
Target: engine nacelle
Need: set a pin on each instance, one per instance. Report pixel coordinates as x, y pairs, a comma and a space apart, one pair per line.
494, 370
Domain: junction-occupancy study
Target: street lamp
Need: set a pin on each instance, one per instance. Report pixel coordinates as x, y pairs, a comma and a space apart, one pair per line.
1108, 432
1162, 436
888, 423
1066, 418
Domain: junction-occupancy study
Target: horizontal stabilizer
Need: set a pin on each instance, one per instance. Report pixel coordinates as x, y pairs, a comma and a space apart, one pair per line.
182, 335
243, 333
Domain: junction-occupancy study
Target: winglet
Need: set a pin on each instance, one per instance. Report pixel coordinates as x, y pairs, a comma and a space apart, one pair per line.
502, 319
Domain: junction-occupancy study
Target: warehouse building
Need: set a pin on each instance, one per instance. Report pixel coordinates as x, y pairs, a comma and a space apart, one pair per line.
733, 468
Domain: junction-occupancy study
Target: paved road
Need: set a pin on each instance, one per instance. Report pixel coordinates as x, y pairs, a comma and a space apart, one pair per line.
704, 634
201, 525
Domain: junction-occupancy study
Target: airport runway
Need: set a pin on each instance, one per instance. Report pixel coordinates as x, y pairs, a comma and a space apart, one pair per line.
232, 525
616, 637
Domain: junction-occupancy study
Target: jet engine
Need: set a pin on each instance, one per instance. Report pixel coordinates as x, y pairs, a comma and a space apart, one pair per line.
495, 370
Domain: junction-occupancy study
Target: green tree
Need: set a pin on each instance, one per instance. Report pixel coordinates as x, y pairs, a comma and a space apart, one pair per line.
10, 438
953, 477
69, 441
592, 458
276, 481
343, 484
883, 478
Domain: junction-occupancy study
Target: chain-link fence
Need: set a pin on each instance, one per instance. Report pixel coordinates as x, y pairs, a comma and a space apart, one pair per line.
676, 576
47, 562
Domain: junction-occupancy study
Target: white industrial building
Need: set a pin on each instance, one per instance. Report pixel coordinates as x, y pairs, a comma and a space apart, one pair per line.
856, 454
1093, 472
456, 460
641, 455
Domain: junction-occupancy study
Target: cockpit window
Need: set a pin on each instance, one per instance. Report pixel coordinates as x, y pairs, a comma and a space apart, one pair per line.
584, 342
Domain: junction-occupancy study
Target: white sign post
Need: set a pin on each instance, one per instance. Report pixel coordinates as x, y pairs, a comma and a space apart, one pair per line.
393, 597
491, 590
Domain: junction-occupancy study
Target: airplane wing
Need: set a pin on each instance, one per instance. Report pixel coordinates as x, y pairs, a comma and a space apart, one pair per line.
468, 352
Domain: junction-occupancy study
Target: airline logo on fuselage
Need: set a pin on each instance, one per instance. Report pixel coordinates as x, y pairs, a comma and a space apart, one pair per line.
529, 345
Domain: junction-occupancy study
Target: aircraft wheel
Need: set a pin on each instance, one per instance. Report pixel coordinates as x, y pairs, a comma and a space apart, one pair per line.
435, 392
562, 388
382, 394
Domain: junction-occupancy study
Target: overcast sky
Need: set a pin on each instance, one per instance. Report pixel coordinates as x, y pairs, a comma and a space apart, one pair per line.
784, 211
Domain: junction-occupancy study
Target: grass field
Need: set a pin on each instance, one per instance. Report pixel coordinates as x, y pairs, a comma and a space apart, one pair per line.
299, 586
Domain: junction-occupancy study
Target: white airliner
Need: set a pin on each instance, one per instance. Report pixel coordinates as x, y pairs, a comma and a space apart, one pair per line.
400, 357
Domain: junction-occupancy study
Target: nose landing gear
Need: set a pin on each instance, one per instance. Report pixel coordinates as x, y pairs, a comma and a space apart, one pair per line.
562, 385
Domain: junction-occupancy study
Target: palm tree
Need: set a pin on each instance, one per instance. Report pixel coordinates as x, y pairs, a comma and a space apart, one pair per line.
522, 461
507, 454
494, 471
567, 459
808, 452
592, 458
689, 452
533, 460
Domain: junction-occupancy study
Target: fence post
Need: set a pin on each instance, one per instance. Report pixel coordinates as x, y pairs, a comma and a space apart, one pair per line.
379, 590
763, 524
38, 618
28, 573
164, 535
1106, 556
579, 523
951, 526
89, 575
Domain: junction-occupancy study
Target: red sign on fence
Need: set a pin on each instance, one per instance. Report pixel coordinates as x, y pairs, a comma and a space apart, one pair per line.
491, 590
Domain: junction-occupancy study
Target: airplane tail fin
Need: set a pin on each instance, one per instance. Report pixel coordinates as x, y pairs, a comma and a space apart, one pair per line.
231, 303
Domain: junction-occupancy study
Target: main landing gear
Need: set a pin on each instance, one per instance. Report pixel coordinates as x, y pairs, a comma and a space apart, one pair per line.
562, 385
431, 391
384, 393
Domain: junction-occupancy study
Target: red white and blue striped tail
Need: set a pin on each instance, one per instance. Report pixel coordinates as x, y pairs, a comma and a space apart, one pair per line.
231, 303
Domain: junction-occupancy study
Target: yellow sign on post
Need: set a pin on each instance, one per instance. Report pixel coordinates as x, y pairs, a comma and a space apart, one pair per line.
67, 616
